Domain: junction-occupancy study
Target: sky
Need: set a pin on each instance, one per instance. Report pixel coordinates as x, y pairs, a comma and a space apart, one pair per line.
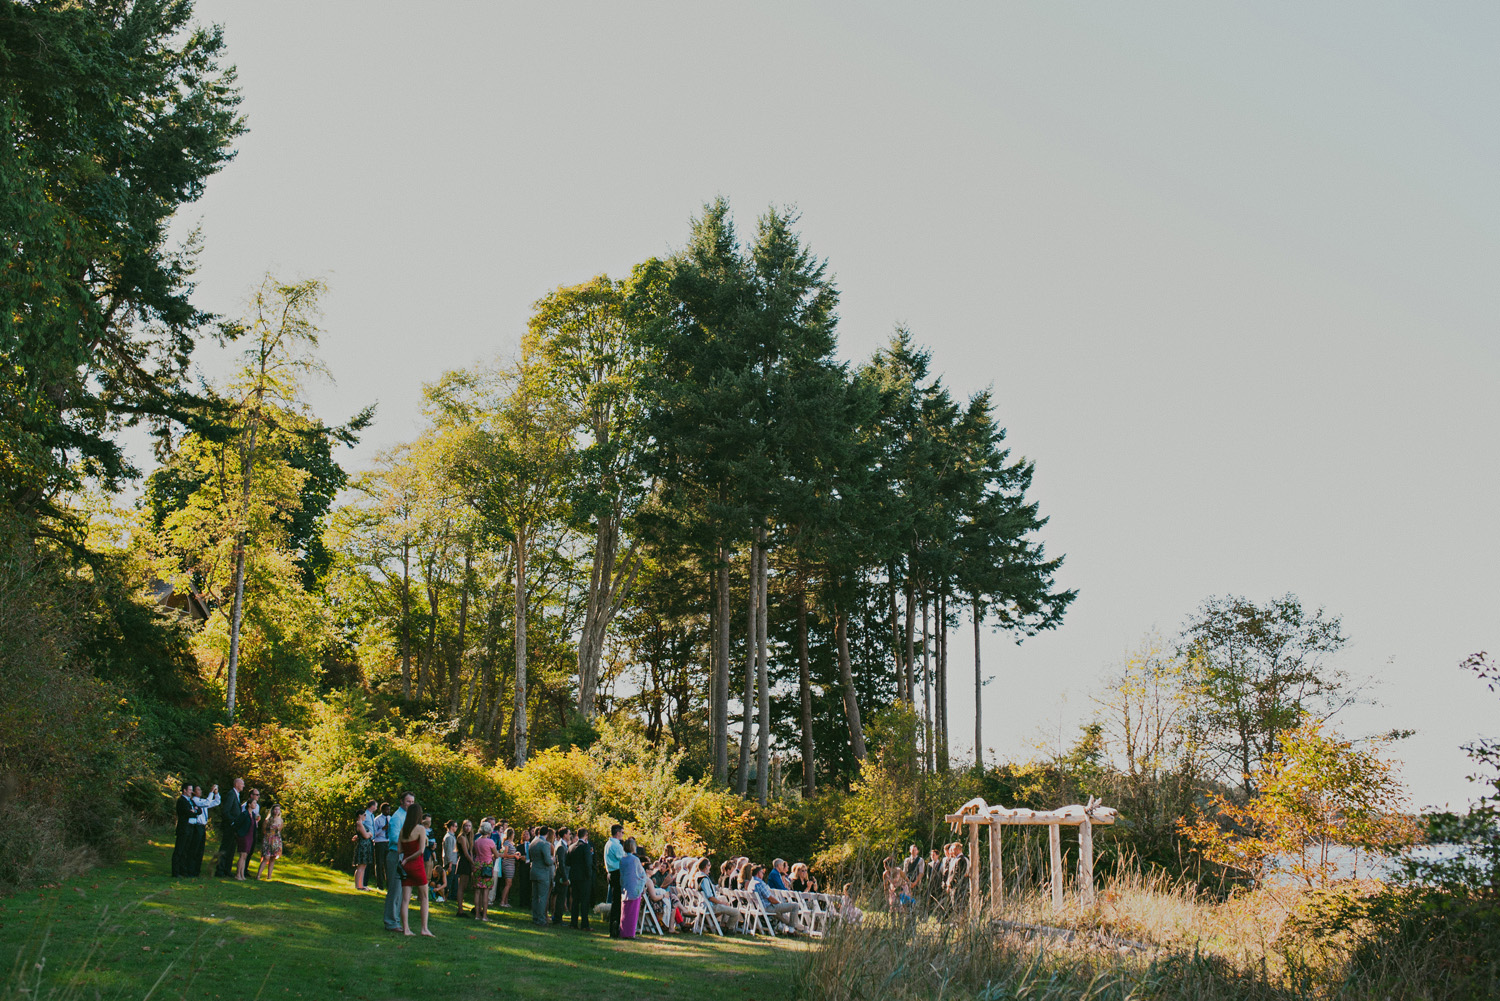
1230, 270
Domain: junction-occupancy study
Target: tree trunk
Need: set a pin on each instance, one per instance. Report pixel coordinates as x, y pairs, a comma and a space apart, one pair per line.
720, 711
609, 586
519, 720
237, 611
978, 692
927, 750
406, 617
804, 685
896, 635
763, 757
911, 641
236, 616
752, 634
846, 679
456, 670
942, 682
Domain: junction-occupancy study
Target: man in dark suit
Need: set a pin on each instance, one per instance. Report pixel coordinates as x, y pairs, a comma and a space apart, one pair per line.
560, 874
185, 810
232, 817
581, 878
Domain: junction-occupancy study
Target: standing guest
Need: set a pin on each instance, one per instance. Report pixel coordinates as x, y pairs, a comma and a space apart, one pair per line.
523, 868
728, 915
251, 823
560, 874
932, 886
450, 860
497, 838
436, 872
613, 852
364, 848
199, 825
185, 811
394, 824
183, 842
231, 817
955, 882
465, 841
508, 857
787, 911
913, 867
380, 835
581, 878
540, 854
484, 870
890, 881
413, 857
802, 880
270, 843
633, 885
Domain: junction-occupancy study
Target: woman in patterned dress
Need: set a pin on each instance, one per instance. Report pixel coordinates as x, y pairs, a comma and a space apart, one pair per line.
364, 848
270, 845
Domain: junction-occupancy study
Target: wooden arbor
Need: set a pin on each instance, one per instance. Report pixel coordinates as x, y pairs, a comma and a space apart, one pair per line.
976, 813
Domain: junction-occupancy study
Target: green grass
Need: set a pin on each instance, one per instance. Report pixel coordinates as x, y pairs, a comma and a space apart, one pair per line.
128, 930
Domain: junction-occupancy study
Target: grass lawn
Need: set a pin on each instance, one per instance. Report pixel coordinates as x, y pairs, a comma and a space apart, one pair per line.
130, 930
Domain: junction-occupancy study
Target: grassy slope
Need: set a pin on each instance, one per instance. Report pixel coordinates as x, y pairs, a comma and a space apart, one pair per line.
309, 934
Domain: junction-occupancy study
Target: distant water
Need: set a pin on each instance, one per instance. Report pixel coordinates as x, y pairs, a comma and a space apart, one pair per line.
1365, 866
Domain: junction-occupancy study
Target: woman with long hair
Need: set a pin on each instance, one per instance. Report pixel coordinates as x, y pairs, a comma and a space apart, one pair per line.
364, 848
270, 843
802, 880
465, 861
508, 856
247, 840
413, 848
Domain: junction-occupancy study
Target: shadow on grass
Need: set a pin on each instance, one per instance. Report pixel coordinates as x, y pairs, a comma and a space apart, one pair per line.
131, 930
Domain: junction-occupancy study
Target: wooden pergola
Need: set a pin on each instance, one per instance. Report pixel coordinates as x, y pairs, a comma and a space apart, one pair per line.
976, 813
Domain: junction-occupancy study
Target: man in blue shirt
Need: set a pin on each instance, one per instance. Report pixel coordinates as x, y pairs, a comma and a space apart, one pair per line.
777, 908
774, 878
614, 851
396, 821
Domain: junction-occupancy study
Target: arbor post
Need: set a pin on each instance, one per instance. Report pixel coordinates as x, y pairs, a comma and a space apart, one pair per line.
1054, 843
1086, 862
976, 902
997, 869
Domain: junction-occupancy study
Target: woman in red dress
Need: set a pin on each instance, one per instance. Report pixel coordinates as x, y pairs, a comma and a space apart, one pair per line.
413, 845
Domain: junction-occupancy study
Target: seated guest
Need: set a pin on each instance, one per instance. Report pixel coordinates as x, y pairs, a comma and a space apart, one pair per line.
847, 910
779, 875
788, 912
728, 915
659, 893
802, 880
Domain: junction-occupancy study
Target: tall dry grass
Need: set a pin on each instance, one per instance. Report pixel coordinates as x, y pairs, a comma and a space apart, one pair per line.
1147, 937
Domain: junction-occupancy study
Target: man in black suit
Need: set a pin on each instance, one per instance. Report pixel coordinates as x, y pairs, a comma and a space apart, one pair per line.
561, 875
231, 819
185, 810
581, 878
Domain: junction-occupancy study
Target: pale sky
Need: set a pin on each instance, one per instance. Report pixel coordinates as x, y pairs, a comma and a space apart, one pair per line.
1231, 270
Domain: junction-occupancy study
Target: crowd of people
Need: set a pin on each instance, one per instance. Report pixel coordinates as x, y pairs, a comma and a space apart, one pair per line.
552, 871
938, 883
246, 826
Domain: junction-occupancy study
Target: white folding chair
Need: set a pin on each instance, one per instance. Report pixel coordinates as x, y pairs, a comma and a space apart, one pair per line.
649, 918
